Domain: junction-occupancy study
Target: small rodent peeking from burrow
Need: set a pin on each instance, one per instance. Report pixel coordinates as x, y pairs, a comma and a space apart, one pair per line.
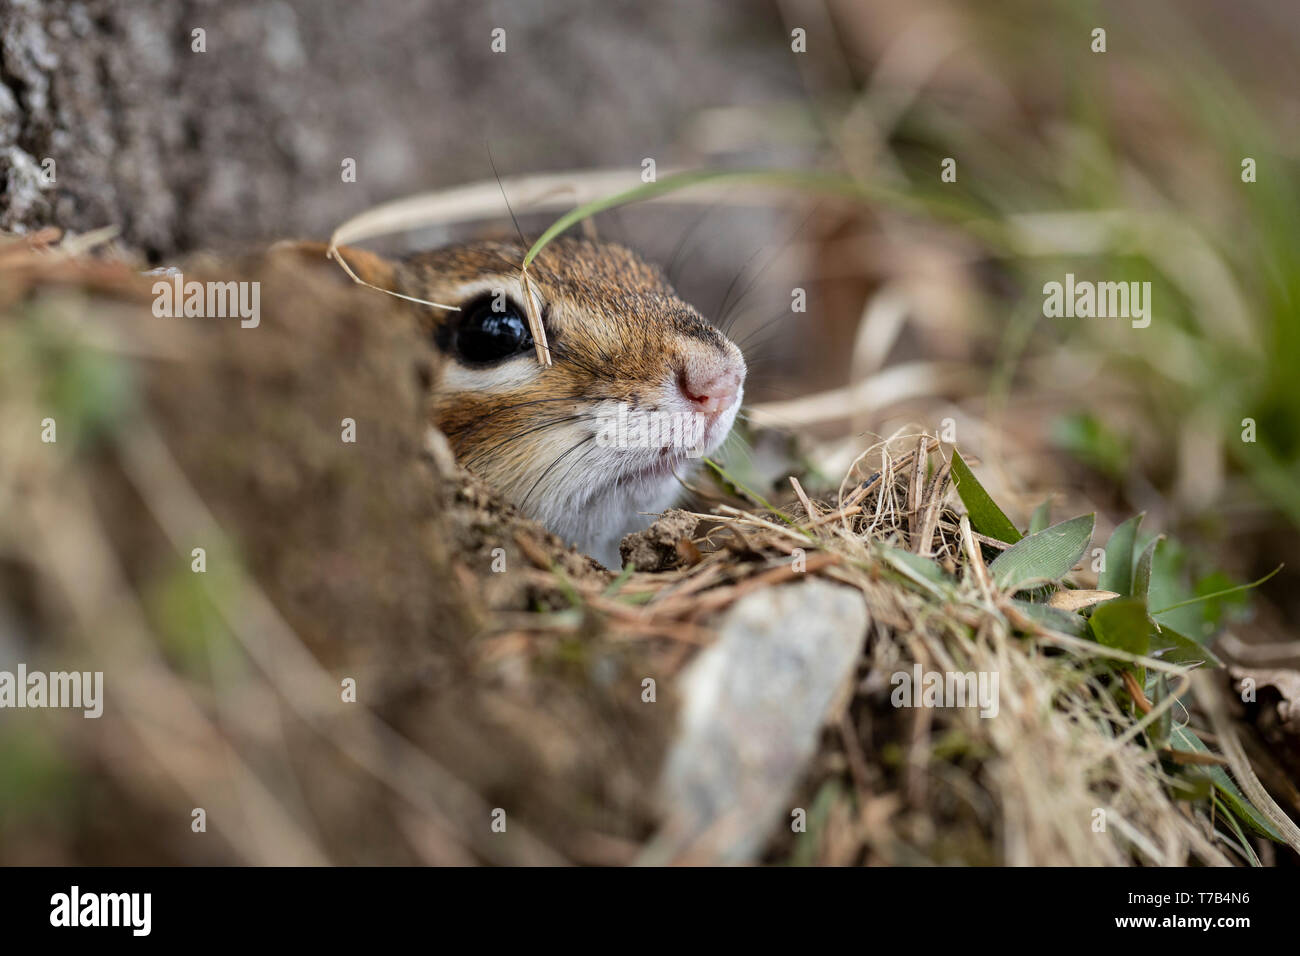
591, 446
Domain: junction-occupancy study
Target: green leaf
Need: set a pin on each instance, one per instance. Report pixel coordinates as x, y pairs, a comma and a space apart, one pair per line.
1142, 573
985, 516
1042, 517
1052, 617
920, 570
1117, 576
1168, 645
1122, 624
1232, 795
1049, 554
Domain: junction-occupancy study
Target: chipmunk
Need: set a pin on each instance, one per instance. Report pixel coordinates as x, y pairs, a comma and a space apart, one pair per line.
624, 348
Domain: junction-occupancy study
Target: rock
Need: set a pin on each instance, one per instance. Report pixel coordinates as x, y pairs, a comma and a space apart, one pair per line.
753, 705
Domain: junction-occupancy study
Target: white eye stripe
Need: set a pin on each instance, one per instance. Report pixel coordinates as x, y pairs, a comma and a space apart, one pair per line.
508, 285
513, 373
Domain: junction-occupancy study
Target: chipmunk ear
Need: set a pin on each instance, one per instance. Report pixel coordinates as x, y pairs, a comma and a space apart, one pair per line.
366, 265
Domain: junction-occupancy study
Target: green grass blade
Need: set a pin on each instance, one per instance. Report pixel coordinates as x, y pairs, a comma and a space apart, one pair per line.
1142, 573
1219, 594
1232, 795
1242, 843
1117, 576
985, 516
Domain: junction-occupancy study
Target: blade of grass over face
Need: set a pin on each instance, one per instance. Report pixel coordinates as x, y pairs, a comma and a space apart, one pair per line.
809, 182
985, 516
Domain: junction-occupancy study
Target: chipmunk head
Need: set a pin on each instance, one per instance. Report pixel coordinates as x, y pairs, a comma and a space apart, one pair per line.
639, 385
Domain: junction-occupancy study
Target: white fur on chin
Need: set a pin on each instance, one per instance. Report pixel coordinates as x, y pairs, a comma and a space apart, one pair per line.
591, 496
595, 508
598, 525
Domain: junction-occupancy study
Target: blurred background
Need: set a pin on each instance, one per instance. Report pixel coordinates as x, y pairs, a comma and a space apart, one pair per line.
924, 304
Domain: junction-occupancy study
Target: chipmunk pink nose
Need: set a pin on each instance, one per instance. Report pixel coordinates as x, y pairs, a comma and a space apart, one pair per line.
710, 386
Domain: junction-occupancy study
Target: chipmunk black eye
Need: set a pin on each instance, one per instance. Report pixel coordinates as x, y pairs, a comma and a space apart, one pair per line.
486, 334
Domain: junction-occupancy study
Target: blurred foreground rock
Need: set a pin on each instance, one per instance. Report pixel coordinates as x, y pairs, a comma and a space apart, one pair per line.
753, 705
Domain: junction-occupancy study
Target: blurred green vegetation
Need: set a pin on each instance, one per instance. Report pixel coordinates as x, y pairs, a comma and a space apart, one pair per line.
86, 390
1136, 201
